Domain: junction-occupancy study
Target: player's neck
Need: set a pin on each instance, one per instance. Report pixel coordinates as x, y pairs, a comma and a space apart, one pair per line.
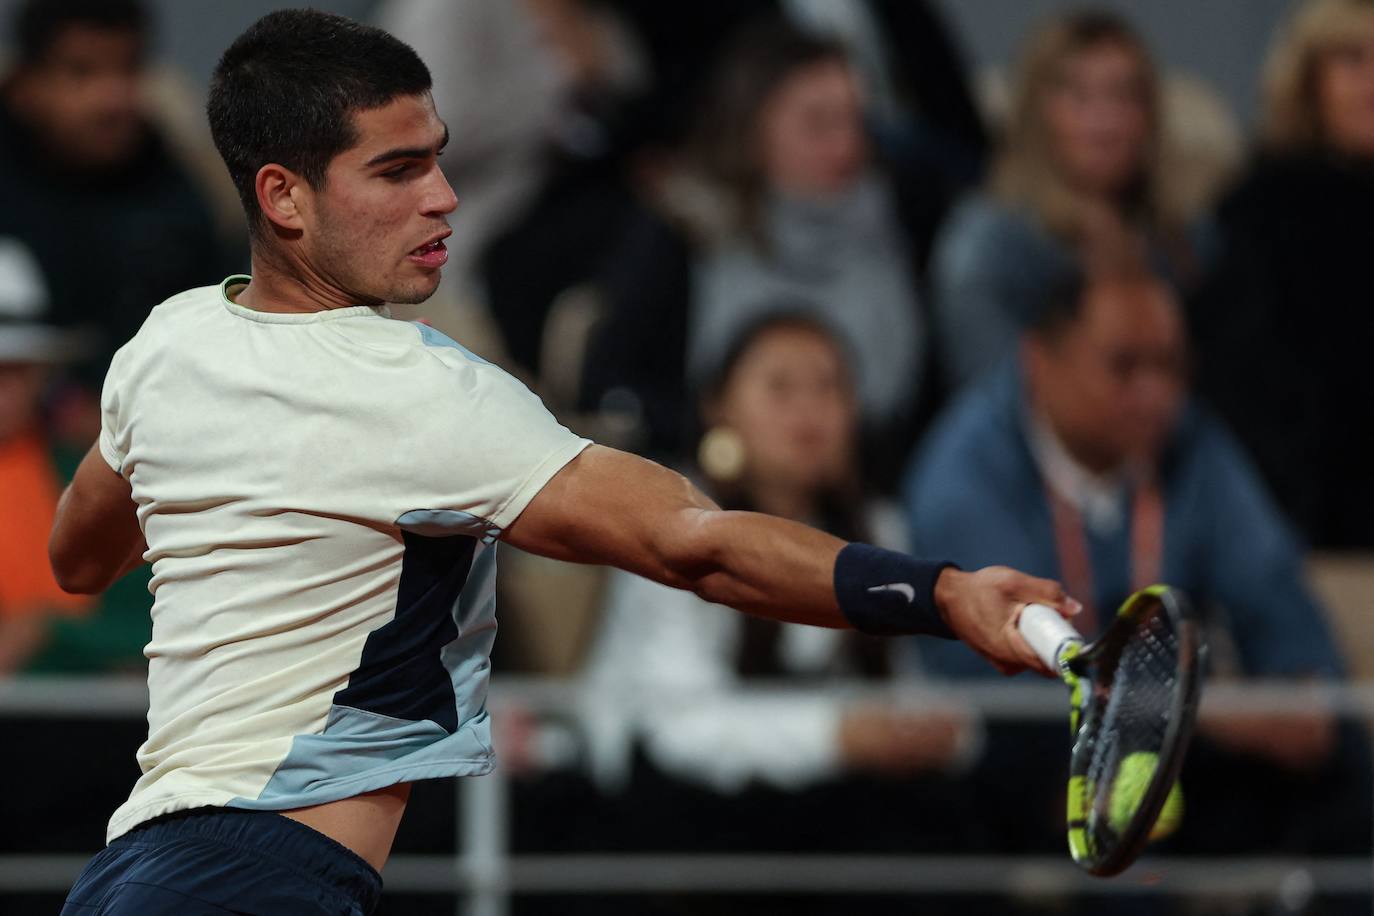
284, 283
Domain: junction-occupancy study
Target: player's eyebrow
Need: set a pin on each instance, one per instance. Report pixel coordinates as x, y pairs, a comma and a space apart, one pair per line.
408, 152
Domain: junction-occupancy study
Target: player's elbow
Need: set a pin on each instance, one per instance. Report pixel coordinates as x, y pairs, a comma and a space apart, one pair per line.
76, 579
687, 553
698, 558
79, 581
73, 571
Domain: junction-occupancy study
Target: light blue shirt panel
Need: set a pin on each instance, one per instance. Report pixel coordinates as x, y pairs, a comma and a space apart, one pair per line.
360, 750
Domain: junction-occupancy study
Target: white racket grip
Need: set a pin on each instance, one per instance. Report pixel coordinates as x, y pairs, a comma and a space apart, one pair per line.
1046, 631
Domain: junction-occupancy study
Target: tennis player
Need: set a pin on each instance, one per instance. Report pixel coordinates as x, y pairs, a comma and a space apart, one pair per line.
321, 489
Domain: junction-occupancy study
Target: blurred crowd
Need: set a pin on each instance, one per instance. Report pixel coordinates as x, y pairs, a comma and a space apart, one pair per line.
1070, 318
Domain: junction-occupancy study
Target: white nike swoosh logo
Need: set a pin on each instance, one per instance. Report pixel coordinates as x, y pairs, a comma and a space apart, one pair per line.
901, 588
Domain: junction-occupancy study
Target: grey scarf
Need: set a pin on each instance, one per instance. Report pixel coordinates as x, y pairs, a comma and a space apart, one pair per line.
844, 261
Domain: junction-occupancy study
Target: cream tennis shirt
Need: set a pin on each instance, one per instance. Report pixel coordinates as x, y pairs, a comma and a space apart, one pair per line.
321, 494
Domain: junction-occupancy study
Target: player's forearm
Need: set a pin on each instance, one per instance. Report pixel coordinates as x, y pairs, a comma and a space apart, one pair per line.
612, 508
775, 568
764, 565
83, 562
95, 535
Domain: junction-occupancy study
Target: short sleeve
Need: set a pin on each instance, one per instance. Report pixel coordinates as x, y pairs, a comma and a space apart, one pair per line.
114, 447
490, 446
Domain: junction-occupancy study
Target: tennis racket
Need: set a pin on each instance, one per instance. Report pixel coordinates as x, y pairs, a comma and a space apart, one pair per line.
1133, 696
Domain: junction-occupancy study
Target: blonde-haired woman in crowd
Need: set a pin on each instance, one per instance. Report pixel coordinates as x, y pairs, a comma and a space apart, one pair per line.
1284, 323
1079, 160
1314, 94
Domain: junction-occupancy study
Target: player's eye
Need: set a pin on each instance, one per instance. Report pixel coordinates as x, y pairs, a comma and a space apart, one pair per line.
405, 169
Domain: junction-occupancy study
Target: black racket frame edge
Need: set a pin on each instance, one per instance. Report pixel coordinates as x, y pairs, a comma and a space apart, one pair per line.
1178, 733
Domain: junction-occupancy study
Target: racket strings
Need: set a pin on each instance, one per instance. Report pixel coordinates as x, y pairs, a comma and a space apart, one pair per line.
1128, 717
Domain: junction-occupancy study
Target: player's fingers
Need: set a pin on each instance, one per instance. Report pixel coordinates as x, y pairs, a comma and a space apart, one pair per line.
1004, 668
1024, 653
1005, 656
1034, 590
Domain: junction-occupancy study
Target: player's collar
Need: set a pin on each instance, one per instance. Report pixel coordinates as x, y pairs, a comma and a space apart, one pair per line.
233, 285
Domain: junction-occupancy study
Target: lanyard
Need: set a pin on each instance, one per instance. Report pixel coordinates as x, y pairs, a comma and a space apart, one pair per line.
1075, 559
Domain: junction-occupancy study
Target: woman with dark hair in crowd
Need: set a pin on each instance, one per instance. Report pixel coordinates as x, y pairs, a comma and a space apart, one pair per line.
1079, 159
779, 199
1284, 326
782, 418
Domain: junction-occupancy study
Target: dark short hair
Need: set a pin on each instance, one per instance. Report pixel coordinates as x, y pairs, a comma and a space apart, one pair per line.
1064, 294
286, 91
784, 315
38, 23
1060, 301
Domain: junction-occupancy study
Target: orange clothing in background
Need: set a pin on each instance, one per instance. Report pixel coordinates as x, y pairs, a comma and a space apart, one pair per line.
29, 490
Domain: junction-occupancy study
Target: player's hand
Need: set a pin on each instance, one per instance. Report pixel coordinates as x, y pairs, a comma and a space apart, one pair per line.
982, 609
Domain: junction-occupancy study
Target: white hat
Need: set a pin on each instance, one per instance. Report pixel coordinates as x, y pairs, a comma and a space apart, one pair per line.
24, 337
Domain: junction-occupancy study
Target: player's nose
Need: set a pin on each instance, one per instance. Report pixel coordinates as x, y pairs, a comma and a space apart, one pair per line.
439, 197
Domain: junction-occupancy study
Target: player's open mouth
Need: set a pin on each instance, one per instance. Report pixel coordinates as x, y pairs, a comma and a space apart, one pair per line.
433, 254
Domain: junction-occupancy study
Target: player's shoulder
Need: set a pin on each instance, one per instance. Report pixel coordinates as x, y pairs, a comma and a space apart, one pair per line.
175, 309
199, 297
417, 363
442, 346
164, 323
444, 355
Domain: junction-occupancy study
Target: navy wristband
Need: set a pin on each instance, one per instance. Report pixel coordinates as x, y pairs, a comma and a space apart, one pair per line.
887, 593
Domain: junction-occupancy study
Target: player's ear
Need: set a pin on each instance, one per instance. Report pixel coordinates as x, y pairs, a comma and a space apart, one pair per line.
279, 196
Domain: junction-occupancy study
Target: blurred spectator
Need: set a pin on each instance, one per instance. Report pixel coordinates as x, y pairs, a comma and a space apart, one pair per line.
916, 96
782, 438
1079, 160
42, 627
687, 743
780, 200
29, 482
1085, 461
1284, 323
100, 218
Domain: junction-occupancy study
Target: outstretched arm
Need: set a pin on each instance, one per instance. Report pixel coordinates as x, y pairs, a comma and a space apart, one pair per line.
616, 509
95, 537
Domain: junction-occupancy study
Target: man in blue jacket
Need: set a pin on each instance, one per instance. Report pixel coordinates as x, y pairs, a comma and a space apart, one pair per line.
1085, 459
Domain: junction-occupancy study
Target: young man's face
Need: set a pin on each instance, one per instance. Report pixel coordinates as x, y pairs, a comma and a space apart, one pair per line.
84, 98
375, 227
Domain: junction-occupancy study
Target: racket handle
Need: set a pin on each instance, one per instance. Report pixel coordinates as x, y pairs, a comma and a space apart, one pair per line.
1046, 631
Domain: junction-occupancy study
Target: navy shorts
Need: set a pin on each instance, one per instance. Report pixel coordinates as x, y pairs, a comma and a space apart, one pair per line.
219, 860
